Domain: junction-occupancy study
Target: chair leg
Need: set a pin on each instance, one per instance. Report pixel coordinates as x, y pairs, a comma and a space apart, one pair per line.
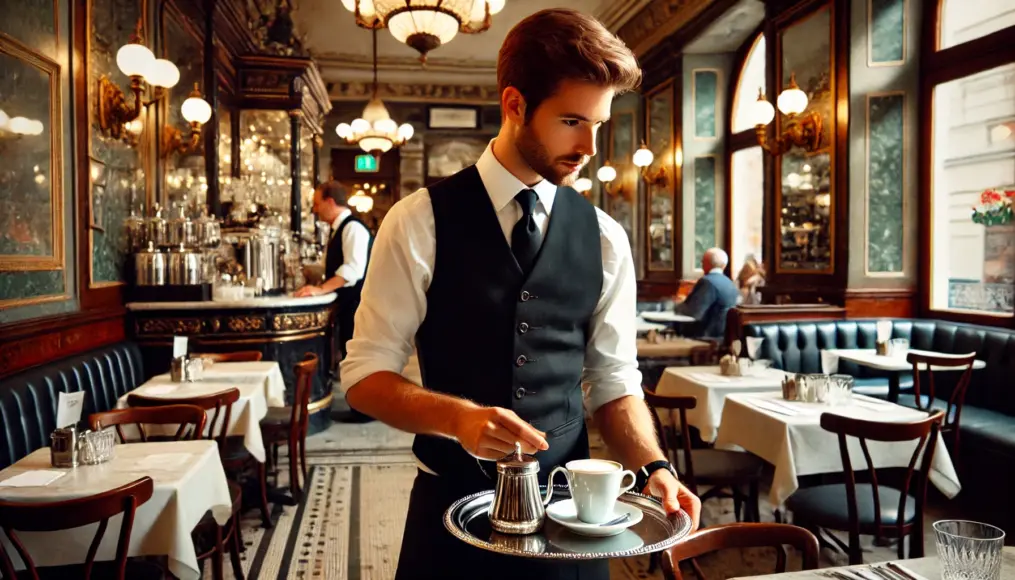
262, 481
754, 503
216, 557
303, 458
294, 474
738, 502
237, 547
653, 562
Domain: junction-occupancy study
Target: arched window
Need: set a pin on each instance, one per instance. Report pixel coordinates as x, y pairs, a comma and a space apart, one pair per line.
968, 183
747, 170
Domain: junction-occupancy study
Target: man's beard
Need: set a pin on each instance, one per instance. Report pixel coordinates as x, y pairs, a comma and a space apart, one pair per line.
538, 158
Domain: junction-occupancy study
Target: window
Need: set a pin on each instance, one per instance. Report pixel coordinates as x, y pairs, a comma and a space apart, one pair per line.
966, 20
747, 182
971, 109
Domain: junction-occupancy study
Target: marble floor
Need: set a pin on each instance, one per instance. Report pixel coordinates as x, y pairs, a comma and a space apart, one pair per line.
350, 528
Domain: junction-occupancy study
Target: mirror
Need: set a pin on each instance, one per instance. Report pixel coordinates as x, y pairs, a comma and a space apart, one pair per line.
660, 187
804, 192
185, 176
620, 199
31, 199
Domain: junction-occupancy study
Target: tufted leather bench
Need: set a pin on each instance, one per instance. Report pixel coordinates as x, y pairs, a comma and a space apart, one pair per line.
987, 426
28, 400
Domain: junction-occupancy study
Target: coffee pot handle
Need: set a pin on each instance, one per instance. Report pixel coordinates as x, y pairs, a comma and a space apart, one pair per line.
549, 483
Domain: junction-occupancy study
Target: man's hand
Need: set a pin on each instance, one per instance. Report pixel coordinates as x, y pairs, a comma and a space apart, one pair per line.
674, 495
309, 290
490, 433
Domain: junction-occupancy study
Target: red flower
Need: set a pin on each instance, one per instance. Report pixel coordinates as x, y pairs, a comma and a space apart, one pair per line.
1010, 193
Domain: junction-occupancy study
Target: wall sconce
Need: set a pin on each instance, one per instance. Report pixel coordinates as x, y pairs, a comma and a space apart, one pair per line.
583, 185
643, 159
17, 127
607, 174
800, 131
197, 112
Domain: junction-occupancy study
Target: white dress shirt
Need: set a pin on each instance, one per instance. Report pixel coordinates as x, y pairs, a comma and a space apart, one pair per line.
394, 302
355, 243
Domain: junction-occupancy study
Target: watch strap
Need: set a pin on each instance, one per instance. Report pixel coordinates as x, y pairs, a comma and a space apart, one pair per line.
646, 471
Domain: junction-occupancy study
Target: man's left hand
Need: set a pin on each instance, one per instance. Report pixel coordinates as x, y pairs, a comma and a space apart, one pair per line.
309, 291
674, 495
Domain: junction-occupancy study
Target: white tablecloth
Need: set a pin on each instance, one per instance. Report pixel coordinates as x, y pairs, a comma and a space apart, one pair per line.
868, 357
788, 435
710, 388
188, 480
260, 384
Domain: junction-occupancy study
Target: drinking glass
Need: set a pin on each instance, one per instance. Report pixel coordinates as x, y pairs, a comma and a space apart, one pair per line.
969, 550
841, 388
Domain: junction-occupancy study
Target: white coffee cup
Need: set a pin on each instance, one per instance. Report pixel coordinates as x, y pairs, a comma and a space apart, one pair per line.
595, 485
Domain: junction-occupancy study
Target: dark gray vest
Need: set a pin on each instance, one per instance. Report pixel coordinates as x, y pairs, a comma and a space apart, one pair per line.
495, 337
349, 296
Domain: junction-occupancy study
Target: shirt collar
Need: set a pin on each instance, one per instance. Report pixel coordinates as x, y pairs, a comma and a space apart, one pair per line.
338, 220
716, 271
503, 186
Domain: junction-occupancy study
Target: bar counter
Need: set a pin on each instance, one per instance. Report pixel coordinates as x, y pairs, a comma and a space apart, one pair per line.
282, 328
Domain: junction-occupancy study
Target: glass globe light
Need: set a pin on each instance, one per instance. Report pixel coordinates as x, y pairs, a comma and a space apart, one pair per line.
643, 157
495, 6
792, 101
406, 131
344, 130
606, 173
360, 126
582, 184
196, 110
764, 112
135, 60
163, 73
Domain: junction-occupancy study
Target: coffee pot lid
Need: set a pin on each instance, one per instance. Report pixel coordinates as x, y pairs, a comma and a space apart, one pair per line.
517, 463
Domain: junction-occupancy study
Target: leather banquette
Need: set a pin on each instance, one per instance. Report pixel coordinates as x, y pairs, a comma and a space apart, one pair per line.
28, 400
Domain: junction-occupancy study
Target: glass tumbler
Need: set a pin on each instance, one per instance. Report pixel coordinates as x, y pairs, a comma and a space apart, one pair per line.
969, 550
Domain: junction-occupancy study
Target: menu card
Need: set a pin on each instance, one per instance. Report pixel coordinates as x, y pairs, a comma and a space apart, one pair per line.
68, 408
38, 478
179, 346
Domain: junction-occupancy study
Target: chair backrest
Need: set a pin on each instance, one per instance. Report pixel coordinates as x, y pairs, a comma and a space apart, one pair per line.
748, 535
925, 365
220, 405
923, 431
238, 356
190, 418
707, 354
304, 371
678, 444
65, 515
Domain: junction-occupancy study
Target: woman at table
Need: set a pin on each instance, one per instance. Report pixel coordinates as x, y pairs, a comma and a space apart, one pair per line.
516, 291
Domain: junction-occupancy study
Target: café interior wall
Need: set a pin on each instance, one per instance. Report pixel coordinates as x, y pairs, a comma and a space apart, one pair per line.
883, 133
705, 128
44, 29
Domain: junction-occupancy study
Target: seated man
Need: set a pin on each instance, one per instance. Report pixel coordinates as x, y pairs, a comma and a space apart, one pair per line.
713, 295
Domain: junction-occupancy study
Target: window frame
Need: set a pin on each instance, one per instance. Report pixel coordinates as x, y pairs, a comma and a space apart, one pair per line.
939, 66
743, 139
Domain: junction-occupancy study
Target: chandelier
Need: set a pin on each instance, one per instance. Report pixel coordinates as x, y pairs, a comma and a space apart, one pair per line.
425, 24
375, 132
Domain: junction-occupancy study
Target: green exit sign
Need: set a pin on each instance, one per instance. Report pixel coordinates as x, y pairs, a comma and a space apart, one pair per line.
366, 163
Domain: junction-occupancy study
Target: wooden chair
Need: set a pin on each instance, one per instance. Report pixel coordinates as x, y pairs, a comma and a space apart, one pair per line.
705, 355
752, 535
190, 418
288, 425
238, 356
717, 468
870, 508
924, 364
69, 514
235, 458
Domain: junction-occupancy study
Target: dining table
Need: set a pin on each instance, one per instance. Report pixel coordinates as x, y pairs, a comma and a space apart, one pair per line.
894, 364
928, 568
189, 481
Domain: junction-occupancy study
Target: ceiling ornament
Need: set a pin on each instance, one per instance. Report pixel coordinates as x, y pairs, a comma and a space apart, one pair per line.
425, 24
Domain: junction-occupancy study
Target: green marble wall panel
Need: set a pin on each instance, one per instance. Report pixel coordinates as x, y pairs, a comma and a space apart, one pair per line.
885, 163
16, 287
31, 22
886, 31
704, 206
121, 183
706, 83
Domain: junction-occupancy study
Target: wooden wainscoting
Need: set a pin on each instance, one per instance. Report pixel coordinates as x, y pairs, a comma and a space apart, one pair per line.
32, 343
880, 302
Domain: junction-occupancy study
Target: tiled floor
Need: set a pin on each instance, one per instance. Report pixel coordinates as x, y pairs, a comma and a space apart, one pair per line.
351, 526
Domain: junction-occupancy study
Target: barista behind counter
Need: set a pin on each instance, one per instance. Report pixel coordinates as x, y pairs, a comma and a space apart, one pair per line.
346, 259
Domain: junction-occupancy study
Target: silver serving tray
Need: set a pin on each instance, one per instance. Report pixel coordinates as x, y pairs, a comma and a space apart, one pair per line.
468, 520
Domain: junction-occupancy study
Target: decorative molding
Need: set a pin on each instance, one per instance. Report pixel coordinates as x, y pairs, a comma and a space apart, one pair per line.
617, 13
658, 20
245, 323
301, 321
347, 62
36, 343
414, 92
880, 302
168, 326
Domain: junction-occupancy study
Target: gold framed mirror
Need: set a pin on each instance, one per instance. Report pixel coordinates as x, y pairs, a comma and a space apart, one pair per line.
659, 179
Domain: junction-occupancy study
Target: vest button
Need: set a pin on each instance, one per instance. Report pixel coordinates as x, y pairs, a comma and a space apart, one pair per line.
523, 327
525, 296
521, 360
520, 393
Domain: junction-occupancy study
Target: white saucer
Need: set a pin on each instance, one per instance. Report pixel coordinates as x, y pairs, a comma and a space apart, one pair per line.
565, 513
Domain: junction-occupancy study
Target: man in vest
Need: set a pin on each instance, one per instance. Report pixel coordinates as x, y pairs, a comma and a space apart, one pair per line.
347, 257
515, 291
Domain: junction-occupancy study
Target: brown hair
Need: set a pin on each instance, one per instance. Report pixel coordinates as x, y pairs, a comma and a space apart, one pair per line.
560, 44
334, 190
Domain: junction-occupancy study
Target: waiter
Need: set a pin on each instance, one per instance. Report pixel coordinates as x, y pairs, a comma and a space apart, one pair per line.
515, 291
346, 260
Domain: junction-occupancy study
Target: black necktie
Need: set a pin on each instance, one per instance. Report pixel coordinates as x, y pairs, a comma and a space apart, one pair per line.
525, 237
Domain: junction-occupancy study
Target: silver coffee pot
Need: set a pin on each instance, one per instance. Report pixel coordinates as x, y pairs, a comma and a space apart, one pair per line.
518, 507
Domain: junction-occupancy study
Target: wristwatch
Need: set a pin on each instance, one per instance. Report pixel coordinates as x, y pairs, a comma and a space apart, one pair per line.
641, 477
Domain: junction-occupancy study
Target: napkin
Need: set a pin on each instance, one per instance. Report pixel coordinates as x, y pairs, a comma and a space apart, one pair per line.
36, 478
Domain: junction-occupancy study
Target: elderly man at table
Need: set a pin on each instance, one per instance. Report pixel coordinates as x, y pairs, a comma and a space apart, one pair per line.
712, 297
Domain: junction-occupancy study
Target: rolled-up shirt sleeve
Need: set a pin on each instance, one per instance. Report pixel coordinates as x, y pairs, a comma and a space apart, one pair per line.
611, 354
355, 246
393, 302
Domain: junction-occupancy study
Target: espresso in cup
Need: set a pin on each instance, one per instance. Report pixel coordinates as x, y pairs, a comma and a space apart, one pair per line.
595, 485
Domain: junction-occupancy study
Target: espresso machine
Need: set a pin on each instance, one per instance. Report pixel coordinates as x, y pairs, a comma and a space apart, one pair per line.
172, 258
